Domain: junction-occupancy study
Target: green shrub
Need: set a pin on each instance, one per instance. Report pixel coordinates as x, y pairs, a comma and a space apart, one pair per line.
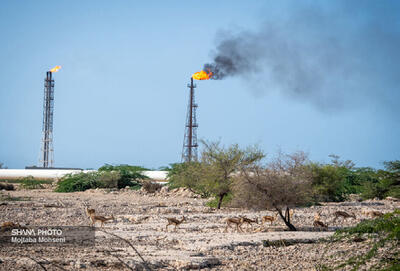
136, 187
356, 178
394, 192
380, 190
128, 175
30, 183
78, 182
333, 182
174, 170
41, 181
107, 177
188, 175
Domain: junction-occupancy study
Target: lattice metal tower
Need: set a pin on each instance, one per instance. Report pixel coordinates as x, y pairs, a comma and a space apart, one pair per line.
189, 152
47, 151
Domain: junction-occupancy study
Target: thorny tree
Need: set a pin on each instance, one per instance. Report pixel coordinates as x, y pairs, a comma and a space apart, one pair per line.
215, 173
221, 164
280, 185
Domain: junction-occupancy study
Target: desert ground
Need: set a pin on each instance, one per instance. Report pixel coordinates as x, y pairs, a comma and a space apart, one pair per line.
199, 243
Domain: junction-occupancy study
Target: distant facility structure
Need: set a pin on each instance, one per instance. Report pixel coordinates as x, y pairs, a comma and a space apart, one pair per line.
58, 173
190, 146
46, 159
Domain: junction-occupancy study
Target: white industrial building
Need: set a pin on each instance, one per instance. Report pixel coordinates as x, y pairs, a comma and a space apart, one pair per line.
56, 174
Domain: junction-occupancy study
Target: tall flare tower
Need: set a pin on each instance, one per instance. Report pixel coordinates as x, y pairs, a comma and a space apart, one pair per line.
46, 159
189, 152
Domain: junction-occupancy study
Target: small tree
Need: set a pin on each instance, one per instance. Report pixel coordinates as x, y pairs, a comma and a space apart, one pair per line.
280, 185
328, 182
215, 173
335, 160
221, 165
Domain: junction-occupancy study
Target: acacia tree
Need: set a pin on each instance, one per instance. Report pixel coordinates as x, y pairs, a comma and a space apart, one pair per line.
280, 185
215, 173
221, 165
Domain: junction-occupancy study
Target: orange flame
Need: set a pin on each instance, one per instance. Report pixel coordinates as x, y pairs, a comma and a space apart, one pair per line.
202, 75
55, 69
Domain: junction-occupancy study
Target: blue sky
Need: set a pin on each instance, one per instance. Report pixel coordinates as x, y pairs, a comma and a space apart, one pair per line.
326, 79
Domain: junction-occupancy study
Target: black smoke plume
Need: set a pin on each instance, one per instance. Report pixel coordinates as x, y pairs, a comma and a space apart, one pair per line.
332, 56
230, 59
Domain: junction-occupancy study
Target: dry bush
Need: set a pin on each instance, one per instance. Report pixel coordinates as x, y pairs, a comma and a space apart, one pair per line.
283, 183
151, 187
6, 186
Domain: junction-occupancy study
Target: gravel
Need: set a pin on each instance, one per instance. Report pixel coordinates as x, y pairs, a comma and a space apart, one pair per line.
198, 243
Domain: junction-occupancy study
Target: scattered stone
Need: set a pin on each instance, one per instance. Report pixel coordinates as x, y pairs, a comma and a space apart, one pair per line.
195, 264
164, 190
80, 265
198, 243
98, 263
286, 242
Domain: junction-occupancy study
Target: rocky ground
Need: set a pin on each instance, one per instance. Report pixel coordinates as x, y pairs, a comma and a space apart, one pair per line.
200, 242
